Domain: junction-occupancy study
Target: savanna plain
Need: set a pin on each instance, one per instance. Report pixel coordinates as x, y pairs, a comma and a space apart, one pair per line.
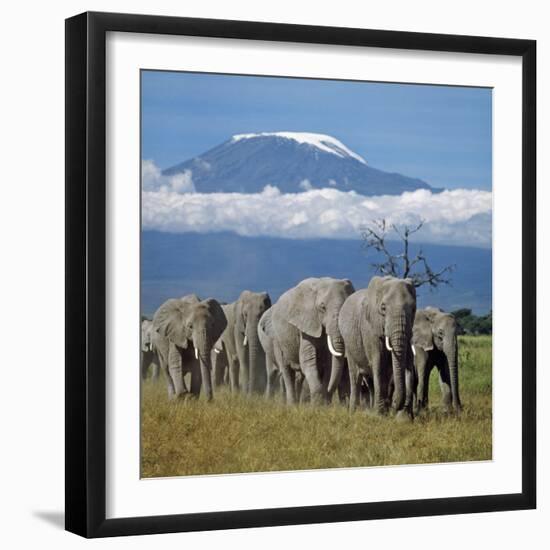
236, 434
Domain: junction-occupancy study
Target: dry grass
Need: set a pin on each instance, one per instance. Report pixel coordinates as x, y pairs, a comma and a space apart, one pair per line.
237, 434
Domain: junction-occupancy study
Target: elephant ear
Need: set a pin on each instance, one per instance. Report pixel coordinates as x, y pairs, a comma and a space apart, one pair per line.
410, 284
301, 310
190, 298
422, 330
266, 299
266, 325
218, 315
371, 312
170, 321
348, 287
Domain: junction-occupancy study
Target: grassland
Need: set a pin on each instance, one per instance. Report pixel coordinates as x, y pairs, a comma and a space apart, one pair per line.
238, 434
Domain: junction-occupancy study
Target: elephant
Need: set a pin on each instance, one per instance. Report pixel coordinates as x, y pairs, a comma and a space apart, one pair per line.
308, 340
265, 335
273, 372
435, 344
225, 358
248, 310
149, 356
185, 331
376, 325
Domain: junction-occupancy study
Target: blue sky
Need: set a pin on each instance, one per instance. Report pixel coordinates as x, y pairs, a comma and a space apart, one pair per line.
440, 134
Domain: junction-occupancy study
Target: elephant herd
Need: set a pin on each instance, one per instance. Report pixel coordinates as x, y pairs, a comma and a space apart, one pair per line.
371, 346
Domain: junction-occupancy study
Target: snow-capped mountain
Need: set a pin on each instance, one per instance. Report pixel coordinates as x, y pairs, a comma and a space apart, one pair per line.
292, 161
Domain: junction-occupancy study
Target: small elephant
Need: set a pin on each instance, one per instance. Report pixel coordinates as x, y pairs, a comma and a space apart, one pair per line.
267, 340
376, 325
149, 356
435, 344
184, 332
305, 325
225, 357
248, 310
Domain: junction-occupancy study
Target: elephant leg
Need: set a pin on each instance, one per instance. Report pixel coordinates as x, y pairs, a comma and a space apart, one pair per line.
271, 377
196, 381
308, 365
354, 383
144, 365
156, 369
364, 397
344, 390
445, 385
380, 383
303, 394
410, 390
175, 367
289, 380
218, 367
170, 384
163, 363
423, 369
234, 374
242, 352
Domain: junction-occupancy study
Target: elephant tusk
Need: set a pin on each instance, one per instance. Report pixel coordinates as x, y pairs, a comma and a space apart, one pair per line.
388, 347
413, 350
196, 353
430, 348
216, 350
331, 348
245, 341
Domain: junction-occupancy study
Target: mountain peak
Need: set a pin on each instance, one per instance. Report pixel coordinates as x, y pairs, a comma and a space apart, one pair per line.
293, 162
324, 142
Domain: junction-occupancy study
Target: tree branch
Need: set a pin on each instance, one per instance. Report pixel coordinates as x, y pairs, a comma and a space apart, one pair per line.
402, 265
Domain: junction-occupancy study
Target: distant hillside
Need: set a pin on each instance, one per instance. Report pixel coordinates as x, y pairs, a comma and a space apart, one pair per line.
293, 162
223, 264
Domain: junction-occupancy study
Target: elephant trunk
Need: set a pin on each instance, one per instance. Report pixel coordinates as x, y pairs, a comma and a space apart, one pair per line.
336, 369
203, 348
452, 360
335, 341
399, 341
218, 365
257, 377
335, 344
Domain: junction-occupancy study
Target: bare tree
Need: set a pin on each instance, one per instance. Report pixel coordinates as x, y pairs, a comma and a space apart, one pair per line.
402, 265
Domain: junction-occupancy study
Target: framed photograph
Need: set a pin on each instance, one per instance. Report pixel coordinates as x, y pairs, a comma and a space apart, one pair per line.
300, 274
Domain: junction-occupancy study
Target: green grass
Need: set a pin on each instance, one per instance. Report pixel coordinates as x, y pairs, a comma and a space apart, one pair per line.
237, 434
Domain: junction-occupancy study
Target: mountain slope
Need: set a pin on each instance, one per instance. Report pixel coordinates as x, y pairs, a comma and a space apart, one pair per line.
221, 265
293, 162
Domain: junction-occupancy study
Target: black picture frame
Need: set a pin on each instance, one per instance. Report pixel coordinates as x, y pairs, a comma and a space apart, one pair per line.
86, 284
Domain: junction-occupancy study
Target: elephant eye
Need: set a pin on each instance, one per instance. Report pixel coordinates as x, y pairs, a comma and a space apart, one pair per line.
322, 306
383, 308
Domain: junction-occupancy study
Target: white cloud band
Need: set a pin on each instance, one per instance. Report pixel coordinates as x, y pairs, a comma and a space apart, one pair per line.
459, 216
153, 180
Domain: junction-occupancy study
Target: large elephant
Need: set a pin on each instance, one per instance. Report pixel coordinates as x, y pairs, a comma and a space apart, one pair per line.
185, 331
376, 325
305, 325
248, 310
149, 357
435, 345
225, 358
